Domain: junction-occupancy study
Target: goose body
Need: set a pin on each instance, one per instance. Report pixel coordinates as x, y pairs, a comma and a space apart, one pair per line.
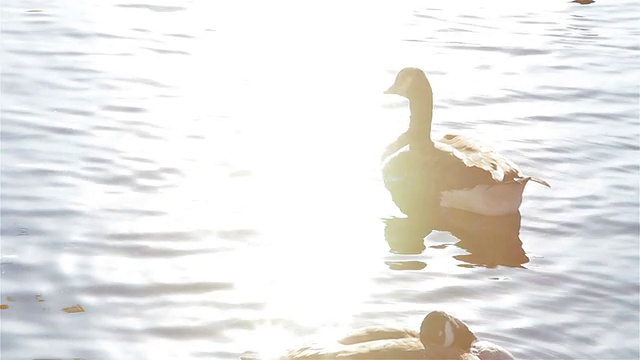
407, 348
454, 172
441, 336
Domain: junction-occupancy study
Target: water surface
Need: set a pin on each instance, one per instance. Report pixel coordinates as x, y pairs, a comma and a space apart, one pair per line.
204, 178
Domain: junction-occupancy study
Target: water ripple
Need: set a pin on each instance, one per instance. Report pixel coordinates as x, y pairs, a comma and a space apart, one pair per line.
154, 8
155, 290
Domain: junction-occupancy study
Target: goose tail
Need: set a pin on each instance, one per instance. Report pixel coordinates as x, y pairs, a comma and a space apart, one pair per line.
250, 355
525, 180
540, 181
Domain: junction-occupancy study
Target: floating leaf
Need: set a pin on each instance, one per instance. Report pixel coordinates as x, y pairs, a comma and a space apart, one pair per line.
9, 298
74, 309
3, 307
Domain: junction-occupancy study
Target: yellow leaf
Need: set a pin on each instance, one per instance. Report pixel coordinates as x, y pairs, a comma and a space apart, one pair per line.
74, 309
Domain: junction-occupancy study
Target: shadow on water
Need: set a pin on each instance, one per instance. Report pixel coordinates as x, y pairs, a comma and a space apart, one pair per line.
489, 240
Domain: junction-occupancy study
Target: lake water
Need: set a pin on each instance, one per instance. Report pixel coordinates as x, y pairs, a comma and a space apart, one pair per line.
203, 178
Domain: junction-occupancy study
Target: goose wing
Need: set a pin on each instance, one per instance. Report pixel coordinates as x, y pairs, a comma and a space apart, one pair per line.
476, 156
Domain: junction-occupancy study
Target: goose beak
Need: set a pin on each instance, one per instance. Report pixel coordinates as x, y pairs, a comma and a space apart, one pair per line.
391, 90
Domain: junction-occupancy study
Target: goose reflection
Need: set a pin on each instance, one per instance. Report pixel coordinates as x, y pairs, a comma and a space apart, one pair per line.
489, 240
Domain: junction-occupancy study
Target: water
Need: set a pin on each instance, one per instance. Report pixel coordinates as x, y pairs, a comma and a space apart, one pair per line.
204, 179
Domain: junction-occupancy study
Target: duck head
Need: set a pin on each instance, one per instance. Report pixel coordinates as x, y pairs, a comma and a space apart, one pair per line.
443, 329
410, 83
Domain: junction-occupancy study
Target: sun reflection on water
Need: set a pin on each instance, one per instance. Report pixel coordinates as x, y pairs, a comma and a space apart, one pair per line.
277, 127
308, 144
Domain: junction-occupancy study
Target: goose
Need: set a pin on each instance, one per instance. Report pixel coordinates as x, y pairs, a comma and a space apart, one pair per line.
453, 172
441, 336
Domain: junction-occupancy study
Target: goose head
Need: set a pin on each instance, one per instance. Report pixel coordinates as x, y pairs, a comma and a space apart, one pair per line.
442, 329
410, 83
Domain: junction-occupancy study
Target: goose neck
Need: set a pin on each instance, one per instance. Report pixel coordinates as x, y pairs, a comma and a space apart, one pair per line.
420, 123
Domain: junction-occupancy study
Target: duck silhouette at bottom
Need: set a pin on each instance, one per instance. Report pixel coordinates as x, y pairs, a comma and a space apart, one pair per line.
441, 336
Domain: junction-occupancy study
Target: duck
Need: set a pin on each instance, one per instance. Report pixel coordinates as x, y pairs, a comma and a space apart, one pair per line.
453, 172
441, 336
